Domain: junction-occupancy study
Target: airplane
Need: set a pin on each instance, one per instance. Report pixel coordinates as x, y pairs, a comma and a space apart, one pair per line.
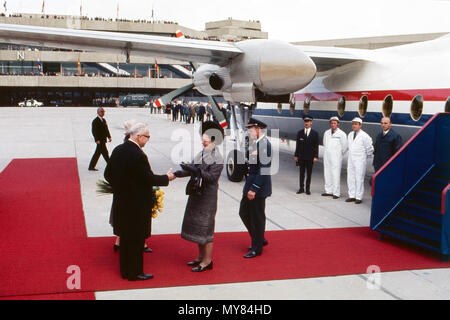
278, 82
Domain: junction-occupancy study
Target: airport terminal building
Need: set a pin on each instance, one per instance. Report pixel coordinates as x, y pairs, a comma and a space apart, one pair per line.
60, 77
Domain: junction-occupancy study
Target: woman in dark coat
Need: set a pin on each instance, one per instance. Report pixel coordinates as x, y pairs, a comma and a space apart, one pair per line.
199, 217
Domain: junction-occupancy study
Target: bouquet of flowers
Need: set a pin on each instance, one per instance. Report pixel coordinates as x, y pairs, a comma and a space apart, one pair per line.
158, 197
103, 187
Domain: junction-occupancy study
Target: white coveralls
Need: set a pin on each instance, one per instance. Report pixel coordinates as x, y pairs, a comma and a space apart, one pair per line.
335, 146
358, 150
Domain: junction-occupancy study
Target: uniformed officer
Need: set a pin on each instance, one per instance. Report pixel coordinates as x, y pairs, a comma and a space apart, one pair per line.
258, 186
306, 153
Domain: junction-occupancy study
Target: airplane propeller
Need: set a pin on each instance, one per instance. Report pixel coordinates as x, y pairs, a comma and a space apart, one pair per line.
164, 100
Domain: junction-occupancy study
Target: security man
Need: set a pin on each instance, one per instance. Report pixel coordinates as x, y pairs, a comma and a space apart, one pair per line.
306, 153
258, 186
387, 143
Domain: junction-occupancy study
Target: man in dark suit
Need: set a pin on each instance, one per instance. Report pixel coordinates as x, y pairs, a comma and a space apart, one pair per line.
132, 180
306, 153
258, 186
387, 143
101, 133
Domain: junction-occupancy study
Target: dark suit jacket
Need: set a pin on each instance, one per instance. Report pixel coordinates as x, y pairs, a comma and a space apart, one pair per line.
307, 148
385, 147
100, 130
260, 160
132, 180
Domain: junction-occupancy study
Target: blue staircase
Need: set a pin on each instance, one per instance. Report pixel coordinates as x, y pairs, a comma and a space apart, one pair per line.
411, 193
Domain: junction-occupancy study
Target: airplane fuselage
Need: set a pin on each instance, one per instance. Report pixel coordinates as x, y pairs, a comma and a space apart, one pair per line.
408, 83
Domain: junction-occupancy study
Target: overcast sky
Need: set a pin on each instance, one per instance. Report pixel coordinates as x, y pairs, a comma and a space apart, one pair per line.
290, 20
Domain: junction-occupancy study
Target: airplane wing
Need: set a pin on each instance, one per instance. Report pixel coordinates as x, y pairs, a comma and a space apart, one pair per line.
203, 51
327, 58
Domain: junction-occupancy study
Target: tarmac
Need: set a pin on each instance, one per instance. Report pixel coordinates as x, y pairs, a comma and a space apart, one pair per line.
66, 132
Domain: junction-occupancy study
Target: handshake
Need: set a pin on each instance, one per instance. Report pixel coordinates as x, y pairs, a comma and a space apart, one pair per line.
188, 170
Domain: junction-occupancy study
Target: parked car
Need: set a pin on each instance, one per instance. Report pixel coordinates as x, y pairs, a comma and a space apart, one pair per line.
31, 103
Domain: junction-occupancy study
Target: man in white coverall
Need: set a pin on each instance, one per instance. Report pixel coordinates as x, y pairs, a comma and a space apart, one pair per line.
359, 148
335, 146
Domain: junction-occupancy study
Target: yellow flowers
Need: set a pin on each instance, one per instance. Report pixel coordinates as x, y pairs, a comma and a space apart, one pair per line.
158, 197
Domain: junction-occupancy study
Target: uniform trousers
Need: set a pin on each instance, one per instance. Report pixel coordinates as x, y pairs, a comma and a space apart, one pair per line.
131, 257
253, 216
305, 165
101, 149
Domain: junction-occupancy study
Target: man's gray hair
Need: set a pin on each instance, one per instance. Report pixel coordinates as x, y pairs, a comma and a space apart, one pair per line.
137, 129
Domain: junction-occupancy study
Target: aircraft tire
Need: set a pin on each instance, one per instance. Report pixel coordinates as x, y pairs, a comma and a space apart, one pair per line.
235, 166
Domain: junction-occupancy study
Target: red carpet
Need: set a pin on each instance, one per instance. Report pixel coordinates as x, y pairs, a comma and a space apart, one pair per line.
42, 233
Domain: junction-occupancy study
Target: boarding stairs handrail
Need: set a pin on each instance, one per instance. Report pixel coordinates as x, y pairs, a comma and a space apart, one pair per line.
398, 177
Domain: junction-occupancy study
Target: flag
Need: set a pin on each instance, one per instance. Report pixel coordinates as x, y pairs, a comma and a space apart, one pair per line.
79, 66
4, 5
157, 69
117, 9
81, 9
43, 6
39, 65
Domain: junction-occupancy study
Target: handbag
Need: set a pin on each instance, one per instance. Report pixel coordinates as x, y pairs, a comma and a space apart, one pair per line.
195, 186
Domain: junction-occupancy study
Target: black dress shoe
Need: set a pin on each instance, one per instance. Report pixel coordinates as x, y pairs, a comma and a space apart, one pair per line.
358, 201
350, 200
141, 277
326, 194
335, 197
251, 254
92, 169
199, 268
193, 263
308, 192
300, 191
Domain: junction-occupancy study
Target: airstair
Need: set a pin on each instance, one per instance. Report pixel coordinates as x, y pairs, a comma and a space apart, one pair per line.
411, 192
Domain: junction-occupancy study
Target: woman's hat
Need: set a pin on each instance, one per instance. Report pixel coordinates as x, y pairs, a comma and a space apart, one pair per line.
213, 130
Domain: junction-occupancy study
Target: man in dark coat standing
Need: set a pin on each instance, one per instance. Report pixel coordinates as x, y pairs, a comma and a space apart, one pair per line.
258, 186
306, 153
132, 180
387, 143
101, 133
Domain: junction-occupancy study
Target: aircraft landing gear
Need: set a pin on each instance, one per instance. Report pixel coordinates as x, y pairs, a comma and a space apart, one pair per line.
235, 166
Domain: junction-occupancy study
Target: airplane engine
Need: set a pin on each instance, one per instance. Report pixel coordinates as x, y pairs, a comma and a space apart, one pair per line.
267, 68
211, 79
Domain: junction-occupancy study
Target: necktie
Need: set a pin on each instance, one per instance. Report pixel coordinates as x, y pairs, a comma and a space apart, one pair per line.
354, 135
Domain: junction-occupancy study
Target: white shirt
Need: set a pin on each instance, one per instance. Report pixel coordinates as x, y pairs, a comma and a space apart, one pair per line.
307, 131
135, 143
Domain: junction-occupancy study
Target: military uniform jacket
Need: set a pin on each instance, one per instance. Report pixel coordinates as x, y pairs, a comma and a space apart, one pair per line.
307, 147
260, 161
100, 130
